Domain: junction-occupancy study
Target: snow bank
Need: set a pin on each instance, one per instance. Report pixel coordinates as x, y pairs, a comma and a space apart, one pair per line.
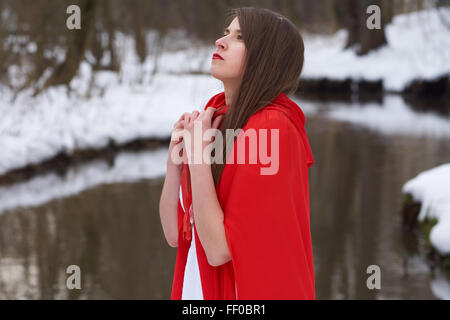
35, 129
432, 189
127, 167
440, 285
418, 48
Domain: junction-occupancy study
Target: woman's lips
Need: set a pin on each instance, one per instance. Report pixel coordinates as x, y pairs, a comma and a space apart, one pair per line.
217, 56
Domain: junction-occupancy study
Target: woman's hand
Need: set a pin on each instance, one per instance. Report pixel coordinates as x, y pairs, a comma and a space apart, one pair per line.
195, 126
176, 145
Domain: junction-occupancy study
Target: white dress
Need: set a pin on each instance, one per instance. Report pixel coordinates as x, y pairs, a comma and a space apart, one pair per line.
192, 286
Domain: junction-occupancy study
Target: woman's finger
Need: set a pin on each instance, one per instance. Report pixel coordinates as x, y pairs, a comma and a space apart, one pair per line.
195, 114
183, 116
187, 120
209, 112
216, 122
180, 121
178, 124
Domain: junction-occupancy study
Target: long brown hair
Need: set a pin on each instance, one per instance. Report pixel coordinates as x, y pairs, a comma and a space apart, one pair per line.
273, 65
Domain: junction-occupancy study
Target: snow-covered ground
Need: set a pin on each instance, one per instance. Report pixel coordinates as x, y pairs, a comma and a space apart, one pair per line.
136, 103
418, 48
432, 189
33, 130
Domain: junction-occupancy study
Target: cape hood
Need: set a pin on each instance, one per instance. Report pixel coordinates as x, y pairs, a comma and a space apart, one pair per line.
281, 103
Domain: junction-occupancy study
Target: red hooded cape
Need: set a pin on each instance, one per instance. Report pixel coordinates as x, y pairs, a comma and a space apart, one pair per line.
266, 217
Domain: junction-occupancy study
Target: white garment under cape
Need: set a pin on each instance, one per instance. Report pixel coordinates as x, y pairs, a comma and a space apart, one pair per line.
192, 285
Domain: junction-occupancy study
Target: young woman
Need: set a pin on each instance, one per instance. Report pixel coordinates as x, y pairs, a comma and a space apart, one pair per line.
242, 225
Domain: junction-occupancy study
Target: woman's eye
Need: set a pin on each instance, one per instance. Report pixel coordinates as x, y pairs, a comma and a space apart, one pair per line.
239, 36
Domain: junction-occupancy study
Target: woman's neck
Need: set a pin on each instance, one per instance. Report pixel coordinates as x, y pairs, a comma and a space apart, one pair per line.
230, 90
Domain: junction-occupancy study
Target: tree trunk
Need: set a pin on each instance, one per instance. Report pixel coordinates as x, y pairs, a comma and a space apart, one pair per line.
141, 48
354, 18
375, 38
77, 45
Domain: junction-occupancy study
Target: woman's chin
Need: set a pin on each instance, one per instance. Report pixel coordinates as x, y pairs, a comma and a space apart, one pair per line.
216, 74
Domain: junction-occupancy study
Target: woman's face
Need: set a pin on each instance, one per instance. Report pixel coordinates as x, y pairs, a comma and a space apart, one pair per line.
232, 49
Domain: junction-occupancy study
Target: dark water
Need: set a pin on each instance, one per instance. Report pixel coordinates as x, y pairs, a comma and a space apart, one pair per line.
356, 201
113, 232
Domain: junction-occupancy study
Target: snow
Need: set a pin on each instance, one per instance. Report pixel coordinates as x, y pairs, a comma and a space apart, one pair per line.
418, 48
432, 189
35, 129
440, 286
127, 167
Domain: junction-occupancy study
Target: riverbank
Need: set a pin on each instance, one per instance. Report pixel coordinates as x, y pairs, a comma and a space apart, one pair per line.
426, 212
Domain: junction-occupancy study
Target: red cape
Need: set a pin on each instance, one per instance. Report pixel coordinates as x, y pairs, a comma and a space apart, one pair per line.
266, 217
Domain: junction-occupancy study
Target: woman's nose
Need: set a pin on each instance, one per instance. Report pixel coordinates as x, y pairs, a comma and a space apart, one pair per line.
220, 43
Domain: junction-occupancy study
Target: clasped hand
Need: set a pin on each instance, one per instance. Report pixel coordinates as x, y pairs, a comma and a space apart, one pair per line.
190, 135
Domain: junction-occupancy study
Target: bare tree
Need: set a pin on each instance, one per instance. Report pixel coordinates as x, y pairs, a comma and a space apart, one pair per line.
76, 48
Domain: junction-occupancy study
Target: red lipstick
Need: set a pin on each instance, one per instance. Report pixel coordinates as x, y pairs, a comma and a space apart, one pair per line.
217, 56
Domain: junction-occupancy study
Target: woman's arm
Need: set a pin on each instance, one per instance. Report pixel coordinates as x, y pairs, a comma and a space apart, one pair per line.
168, 204
208, 215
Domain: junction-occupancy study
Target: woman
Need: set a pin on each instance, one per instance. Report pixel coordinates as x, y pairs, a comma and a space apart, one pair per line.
242, 227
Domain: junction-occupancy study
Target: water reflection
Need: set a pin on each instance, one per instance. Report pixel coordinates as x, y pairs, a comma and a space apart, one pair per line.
111, 231
105, 219
355, 190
